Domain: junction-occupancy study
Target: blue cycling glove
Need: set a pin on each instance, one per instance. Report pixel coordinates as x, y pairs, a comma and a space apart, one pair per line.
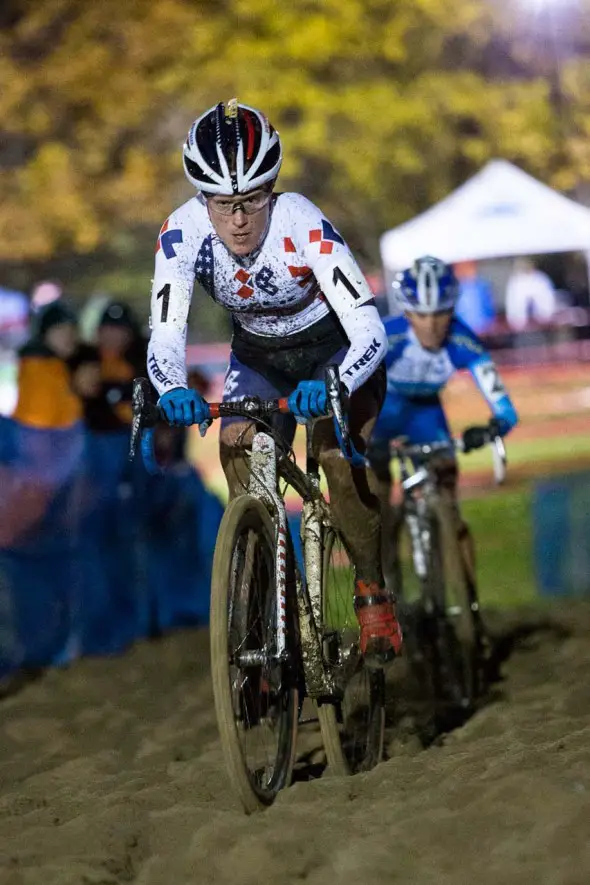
309, 400
182, 407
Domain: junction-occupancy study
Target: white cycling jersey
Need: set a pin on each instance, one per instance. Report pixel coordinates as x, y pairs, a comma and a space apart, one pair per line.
302, 270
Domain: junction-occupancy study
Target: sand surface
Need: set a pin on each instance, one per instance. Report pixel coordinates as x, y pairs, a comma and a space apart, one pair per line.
110, 772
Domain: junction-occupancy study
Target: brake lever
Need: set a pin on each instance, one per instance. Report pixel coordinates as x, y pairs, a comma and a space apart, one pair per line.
145, 414
334, 390
499, 459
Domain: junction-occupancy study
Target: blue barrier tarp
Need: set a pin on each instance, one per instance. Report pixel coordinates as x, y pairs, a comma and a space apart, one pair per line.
561, 535
94, 553
179, 538
39, 504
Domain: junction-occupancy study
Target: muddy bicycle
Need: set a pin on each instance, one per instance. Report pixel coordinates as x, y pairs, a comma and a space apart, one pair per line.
438, 603
281, 631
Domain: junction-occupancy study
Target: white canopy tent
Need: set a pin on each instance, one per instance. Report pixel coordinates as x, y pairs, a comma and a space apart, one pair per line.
500, 212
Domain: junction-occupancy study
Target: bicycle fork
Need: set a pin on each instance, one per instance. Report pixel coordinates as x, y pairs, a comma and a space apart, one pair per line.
420, 537
317, 677
263, 485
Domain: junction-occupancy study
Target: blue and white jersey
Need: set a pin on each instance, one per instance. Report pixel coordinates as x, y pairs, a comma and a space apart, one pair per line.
417, 373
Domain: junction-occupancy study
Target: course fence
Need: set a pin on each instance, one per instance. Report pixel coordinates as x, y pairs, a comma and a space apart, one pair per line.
94, 553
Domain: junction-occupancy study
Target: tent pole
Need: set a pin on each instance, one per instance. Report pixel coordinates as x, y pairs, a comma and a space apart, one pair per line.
388, 275
393, 308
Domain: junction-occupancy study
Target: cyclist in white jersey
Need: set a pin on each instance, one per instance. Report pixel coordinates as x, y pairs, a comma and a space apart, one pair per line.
298, 301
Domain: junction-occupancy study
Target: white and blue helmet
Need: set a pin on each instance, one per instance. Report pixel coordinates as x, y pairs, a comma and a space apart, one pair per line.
429, 286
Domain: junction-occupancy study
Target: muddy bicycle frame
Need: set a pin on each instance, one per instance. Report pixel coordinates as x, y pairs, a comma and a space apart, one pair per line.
423, 481
268, 464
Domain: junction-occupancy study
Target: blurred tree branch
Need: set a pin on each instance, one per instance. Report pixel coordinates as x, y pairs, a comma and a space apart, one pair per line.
383, 107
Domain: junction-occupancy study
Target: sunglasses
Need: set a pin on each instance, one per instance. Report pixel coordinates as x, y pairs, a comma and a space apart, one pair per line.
249, 203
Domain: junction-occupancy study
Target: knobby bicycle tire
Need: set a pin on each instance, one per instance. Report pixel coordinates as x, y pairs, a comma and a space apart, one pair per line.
352, 728
458, 607
414, 608
250, 700
439, 628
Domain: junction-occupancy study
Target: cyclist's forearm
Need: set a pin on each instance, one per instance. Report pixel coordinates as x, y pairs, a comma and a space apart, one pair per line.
171, 297
505, 415
166, 362
368, 344
490, 384
350, 297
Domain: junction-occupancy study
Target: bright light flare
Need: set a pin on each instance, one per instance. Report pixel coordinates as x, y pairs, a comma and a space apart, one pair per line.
545, 4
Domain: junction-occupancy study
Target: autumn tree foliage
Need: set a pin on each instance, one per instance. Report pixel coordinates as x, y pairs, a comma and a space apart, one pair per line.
383, 106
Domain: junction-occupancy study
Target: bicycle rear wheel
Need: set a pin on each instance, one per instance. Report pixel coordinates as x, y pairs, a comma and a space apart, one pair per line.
352, 724
256, 696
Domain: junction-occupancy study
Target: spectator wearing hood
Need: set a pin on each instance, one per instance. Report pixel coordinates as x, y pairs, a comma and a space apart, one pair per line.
118, 357
41, 444
46, 394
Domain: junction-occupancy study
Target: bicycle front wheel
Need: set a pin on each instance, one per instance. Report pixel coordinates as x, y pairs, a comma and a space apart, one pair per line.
353, 723
256, 697
458, 630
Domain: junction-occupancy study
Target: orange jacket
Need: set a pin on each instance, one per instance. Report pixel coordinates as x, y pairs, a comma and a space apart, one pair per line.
45, 396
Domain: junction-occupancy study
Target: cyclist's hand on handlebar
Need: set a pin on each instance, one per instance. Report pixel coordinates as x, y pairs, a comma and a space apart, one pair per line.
183, 407
495, 428
475, 437
479, 435
309, 400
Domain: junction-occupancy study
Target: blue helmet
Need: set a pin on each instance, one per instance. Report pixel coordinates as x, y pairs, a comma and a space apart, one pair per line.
428, 286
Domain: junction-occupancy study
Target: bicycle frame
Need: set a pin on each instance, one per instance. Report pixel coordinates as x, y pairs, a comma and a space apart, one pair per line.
420, 490
266, 466
415, 509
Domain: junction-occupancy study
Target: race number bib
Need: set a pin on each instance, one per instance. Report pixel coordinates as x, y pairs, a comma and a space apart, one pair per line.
344, 284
